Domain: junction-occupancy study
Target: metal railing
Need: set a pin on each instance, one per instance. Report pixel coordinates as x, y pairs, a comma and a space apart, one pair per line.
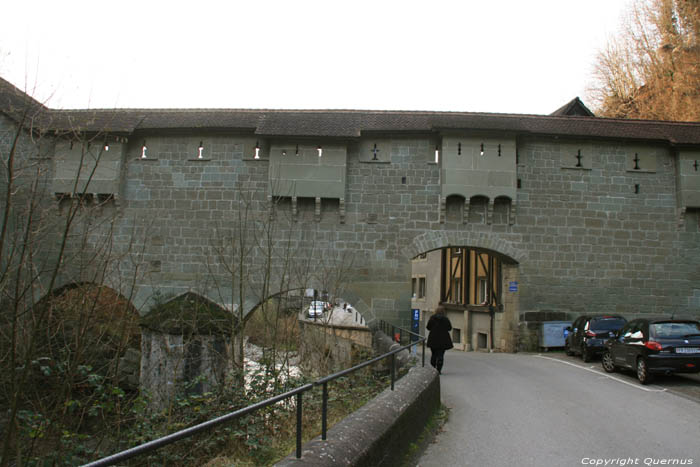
415, 340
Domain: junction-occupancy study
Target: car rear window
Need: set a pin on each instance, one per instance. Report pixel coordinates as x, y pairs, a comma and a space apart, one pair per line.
674, 330
607, 324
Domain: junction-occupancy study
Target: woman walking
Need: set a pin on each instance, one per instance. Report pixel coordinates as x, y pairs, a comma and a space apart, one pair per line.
439, 338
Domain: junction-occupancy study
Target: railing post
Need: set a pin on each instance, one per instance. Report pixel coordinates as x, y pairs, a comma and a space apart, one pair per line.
324, 411
423, 356
393, 370
299, 425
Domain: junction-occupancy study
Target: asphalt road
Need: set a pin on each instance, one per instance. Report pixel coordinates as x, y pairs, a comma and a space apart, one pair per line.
552, 410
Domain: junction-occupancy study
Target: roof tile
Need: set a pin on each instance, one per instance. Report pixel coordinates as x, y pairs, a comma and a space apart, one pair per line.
342, 123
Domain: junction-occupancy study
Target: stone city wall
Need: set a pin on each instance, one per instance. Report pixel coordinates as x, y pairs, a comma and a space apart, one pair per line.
602, 237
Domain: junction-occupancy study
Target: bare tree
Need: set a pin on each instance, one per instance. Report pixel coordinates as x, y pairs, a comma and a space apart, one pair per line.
651, 70
47, 346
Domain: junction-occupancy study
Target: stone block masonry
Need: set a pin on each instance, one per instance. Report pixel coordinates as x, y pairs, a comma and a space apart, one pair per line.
600, 237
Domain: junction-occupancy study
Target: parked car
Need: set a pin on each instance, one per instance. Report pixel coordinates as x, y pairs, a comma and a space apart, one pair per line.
317, 308
653, 346
588, 333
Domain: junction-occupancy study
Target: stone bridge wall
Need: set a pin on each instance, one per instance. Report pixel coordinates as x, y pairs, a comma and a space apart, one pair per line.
597, 238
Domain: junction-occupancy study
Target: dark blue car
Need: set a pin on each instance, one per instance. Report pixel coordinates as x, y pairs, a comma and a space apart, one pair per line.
588, 333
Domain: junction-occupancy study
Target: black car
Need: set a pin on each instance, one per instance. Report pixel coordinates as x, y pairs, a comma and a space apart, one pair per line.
653, 346
588, 333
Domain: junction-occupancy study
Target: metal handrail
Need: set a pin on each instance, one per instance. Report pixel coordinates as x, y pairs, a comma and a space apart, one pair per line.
298, 392
193, 430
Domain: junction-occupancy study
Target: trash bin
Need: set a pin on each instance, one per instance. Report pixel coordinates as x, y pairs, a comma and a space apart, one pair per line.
552, 334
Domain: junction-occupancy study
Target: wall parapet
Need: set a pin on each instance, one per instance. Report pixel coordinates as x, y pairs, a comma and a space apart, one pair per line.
380, 432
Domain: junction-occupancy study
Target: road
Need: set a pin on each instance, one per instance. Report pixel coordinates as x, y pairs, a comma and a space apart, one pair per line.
553, 410
337, 317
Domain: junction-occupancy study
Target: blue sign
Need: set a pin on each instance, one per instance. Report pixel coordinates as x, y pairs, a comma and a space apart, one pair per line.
415, 325
415, 322
512, 286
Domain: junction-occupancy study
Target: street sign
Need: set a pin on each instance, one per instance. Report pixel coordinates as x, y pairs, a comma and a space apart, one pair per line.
415, 323
512, 286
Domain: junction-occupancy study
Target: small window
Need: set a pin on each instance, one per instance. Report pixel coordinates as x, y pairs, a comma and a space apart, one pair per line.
421, 287
482, 298
456, 290
456, 336
413, 287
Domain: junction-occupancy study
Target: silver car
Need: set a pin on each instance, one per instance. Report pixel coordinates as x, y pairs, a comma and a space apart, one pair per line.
316, 309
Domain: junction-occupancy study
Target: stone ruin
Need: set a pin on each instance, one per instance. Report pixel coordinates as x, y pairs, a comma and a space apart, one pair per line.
185, 348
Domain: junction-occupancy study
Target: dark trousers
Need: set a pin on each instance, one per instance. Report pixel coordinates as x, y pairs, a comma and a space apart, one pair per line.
437, 358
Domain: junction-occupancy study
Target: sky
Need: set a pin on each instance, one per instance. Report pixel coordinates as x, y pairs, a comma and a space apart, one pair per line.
503, 56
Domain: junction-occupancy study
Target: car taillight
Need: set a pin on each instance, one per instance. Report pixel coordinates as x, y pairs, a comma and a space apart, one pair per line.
653, 345
590, 334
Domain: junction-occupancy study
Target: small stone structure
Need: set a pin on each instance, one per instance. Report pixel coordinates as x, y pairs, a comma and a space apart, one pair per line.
185, 346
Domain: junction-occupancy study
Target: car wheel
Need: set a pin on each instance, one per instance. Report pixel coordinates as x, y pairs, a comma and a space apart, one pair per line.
643, 374
567, 349
607, 362
585, 354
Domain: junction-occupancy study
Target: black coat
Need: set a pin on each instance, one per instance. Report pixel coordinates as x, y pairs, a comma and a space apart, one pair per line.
439, 337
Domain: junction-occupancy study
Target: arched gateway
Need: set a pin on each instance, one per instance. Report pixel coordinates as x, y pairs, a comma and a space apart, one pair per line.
475, 280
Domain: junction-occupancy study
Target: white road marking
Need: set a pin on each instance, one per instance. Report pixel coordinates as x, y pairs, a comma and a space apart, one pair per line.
600, 373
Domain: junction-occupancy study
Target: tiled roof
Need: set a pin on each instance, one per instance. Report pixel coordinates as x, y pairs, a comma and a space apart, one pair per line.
113, 121
337, 124
347, 123
573, 108
198, 118
17, 104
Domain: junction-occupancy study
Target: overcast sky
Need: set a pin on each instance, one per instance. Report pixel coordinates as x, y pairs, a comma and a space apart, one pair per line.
483, 56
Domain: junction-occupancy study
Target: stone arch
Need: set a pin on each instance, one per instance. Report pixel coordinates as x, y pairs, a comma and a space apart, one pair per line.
434, 240
252, 306
491, 325
57, 291
97, 323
